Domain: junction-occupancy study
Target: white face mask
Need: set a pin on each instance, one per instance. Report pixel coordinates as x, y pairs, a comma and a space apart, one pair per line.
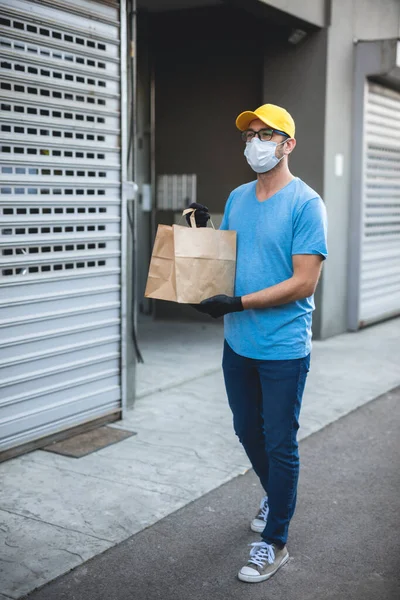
261, 155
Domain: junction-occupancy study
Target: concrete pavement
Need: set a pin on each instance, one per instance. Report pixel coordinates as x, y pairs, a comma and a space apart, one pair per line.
343, 539
57, 512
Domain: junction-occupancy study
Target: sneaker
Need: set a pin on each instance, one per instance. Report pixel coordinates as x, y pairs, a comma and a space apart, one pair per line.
259, 521
265, 559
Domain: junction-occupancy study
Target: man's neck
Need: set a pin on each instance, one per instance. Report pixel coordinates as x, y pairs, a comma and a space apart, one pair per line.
271, 182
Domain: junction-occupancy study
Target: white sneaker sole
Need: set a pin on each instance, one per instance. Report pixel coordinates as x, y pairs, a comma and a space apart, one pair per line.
258, 578
257, 528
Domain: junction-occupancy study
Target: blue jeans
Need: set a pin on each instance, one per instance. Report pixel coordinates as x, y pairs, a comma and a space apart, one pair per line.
265, 399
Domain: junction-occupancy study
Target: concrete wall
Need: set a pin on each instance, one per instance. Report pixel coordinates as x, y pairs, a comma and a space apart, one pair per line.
376, 20
207, 72
360, 19
338, 113
313, 11
294, 77
371, 19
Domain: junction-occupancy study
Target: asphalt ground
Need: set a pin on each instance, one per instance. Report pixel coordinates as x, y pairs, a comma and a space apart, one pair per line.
343, 539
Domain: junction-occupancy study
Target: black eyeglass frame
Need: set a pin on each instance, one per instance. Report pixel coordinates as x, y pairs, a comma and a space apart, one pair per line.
257, 133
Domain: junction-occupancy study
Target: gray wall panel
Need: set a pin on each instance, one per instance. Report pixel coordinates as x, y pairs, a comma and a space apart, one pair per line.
339, 86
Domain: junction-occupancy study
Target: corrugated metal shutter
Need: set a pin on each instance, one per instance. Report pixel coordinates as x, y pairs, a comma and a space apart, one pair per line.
60, 213
380, 253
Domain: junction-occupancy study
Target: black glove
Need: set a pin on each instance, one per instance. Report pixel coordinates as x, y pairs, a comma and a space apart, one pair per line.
201, 215
220, 305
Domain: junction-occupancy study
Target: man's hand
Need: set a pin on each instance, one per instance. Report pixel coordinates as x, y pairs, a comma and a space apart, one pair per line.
201, 215
220, 305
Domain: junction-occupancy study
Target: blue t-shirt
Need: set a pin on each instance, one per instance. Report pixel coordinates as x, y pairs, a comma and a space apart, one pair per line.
292, 221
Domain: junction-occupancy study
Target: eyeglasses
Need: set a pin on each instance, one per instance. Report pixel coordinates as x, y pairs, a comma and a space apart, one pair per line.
263, 134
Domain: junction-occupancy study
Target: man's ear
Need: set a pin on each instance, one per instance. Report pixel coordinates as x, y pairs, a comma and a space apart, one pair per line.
289, 146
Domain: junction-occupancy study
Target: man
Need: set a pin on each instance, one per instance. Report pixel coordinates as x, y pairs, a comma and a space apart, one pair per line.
281, 244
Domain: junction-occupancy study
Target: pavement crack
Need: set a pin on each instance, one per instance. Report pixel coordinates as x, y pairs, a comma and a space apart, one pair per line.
10, 545
6, 560
154, 489
96, 537
73, 553
37, 573
181, 448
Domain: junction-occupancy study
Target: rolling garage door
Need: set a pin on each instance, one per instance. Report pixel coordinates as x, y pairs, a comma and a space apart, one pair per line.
380, 253
60, 217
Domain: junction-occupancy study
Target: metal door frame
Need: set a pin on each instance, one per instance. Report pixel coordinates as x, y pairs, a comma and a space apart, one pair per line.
376, 60
124, 194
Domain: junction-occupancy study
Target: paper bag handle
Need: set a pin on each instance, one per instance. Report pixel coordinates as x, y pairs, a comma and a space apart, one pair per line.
192, 218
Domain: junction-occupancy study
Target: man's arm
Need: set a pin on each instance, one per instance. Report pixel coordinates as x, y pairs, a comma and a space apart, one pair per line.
302, 284
306, 272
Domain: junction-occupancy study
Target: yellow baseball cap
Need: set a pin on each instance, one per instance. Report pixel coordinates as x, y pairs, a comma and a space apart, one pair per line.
272, 115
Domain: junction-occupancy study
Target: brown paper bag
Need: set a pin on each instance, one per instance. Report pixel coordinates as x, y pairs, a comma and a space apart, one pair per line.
190, 264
